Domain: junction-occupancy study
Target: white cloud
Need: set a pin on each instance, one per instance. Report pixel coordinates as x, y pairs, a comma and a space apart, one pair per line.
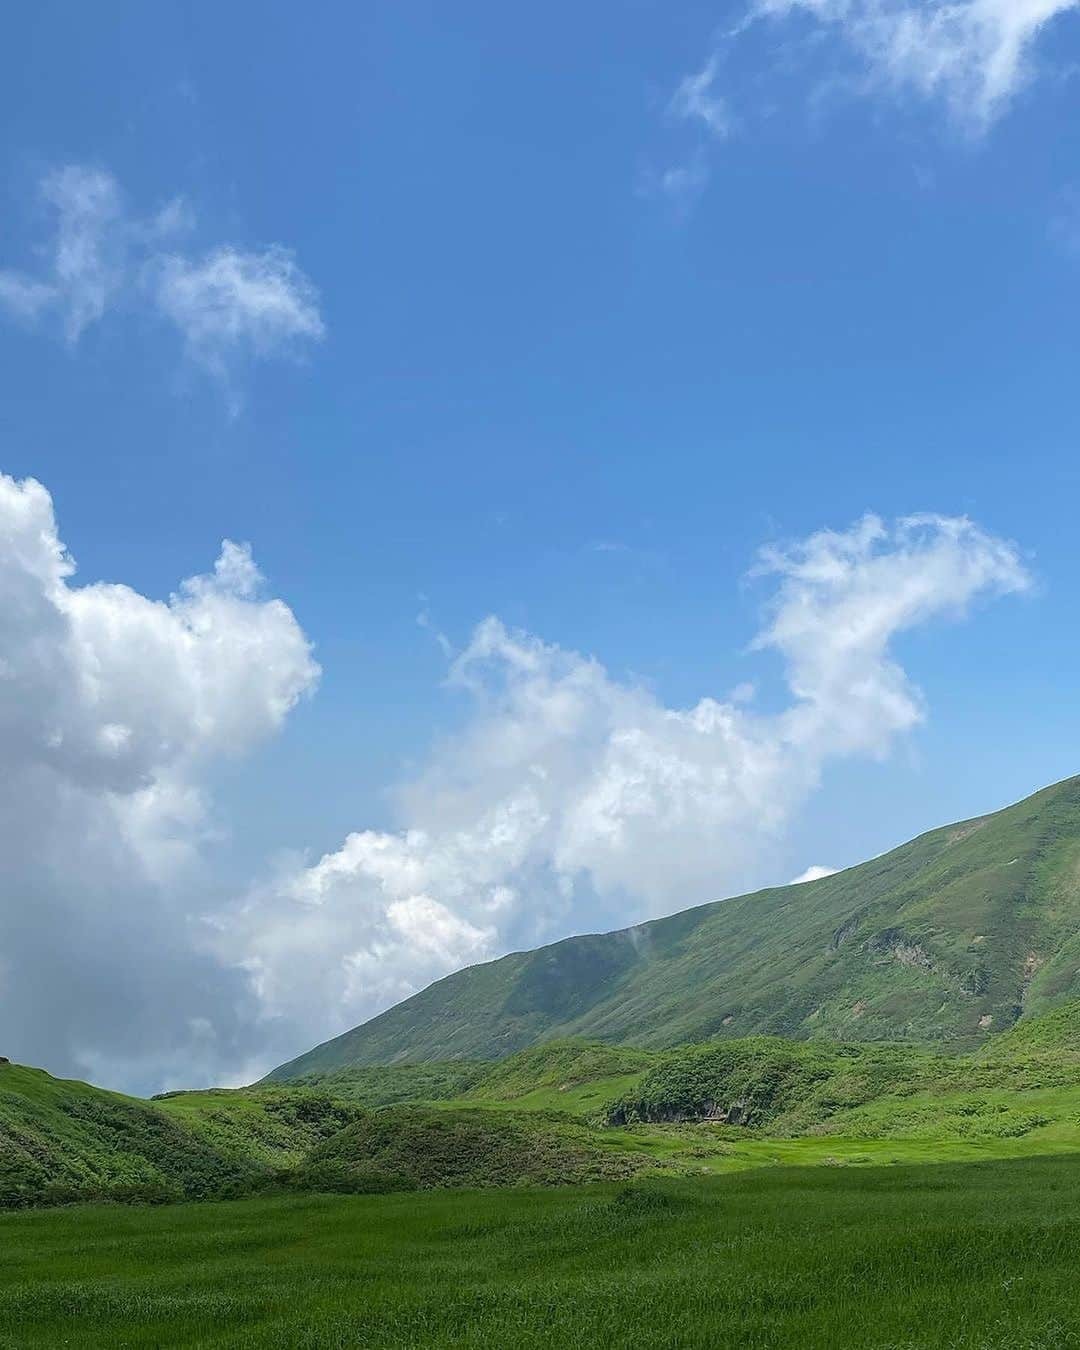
572, 800
695, 100
112, 708
974, 55
969, 57
231, 302
228, 305
84, 259
815, 873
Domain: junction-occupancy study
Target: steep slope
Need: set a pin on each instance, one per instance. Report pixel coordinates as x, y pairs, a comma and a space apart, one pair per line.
943, 941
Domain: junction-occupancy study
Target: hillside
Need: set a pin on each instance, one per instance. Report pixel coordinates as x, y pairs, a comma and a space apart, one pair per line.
570, 1076
943, 942
63, 1140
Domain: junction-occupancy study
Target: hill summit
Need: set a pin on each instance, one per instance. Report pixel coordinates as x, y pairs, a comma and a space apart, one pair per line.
946, 941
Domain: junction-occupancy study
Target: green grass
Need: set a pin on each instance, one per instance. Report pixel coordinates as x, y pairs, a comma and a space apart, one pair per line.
975, 1257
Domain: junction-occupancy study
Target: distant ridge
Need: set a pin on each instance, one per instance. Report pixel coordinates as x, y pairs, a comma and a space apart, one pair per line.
944, 941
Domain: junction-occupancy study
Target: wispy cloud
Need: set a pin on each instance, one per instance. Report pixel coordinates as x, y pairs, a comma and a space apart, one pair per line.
973, 56
229, 305
968, 58
231, 302
84, 259
696, 100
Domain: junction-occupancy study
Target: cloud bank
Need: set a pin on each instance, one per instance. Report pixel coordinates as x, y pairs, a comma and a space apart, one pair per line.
568, 800
112, 708
228, 305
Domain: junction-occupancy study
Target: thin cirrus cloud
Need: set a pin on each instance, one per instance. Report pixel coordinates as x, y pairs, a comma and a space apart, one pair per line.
569, 800
229, 305
969, 57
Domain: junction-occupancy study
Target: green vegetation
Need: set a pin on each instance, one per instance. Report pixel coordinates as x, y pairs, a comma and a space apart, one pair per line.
943, 942
556, 1114
62, 1141
386, 1085
978, 1257
572, 1076
784, 1090
410, 1148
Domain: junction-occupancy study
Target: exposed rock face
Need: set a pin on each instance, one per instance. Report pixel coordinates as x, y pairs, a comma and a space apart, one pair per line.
845, 931
894, 942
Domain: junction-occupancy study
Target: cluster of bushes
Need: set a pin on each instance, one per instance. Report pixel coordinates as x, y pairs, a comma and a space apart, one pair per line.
755, 1081
864, 1090
415, 1148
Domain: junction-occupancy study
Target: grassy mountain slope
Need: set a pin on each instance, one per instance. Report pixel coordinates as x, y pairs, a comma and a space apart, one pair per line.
944, 941
574, 1077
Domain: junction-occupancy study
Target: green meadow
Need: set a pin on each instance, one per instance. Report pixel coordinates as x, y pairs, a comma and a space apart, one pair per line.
981, 1256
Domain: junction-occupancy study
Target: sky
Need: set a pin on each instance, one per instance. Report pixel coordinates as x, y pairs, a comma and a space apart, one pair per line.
476, 474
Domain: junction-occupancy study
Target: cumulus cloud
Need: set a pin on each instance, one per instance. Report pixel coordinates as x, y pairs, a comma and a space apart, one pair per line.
568, 800
228, 305
572, 799
112, 708
814, 873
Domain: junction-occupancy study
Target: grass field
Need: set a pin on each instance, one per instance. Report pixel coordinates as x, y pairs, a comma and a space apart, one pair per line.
975, 1257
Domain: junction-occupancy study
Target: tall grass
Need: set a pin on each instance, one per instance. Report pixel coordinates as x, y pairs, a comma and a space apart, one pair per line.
976, 1257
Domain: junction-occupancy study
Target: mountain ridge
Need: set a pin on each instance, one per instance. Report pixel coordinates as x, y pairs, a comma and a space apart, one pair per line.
943, 941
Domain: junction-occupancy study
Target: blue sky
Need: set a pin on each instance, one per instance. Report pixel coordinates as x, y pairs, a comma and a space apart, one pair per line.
569, 315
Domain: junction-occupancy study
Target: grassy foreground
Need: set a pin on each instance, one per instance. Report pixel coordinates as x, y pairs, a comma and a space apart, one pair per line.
982, 1256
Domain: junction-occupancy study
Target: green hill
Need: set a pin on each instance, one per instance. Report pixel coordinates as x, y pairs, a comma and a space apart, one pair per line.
413, 1148
942, 942
62, 1140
